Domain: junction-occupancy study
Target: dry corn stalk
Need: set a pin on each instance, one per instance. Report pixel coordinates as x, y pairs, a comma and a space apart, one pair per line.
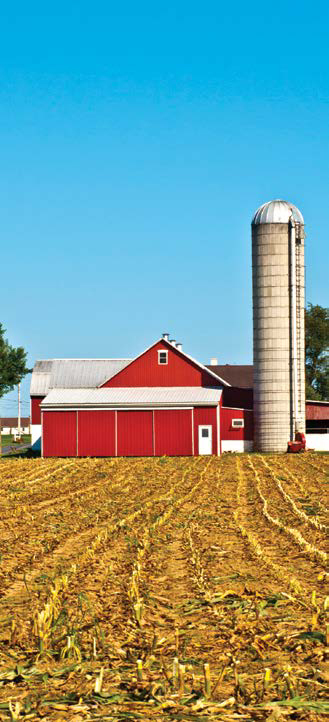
207, 683
256, 546
310, 549
307, 519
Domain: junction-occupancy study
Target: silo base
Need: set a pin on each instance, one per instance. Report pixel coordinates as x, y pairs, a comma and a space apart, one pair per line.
269, 448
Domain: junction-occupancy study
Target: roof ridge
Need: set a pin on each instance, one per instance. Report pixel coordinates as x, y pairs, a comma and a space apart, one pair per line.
137, 388
43, 360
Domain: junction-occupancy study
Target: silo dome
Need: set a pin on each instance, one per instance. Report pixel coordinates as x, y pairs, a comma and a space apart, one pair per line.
277, 211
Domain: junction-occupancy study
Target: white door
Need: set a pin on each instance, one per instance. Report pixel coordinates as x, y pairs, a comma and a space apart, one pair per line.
205, 440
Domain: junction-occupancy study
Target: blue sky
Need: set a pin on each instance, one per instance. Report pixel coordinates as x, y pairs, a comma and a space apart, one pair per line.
136, 142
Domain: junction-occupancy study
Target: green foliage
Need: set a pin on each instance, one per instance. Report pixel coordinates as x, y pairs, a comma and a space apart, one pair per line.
311, 393
317, 352
12, 364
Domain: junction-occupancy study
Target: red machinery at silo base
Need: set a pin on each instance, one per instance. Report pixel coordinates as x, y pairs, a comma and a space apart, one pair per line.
295, 447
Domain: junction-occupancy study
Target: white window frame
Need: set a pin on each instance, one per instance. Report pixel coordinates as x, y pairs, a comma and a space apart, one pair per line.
238, 423
162, 350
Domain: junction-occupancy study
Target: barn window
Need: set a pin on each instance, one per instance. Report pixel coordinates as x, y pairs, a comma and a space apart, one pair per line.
205, 433
238, 423
162, 357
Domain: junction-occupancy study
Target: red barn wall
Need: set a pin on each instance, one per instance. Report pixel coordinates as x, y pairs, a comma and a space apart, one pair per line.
173, 432
227, 431
146, 371
233, 397
35, 409
59, 433
206, 416
315, 412
126, 433
135, 433
96, 433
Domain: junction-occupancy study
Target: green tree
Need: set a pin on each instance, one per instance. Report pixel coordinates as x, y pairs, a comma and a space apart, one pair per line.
317, 352
12, 364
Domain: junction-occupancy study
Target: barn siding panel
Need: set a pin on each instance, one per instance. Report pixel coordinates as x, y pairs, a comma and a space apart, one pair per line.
96, 433
204, 415
35, 409
59, 433
317, 411
146, 371
135, 433
227, 431
173, 432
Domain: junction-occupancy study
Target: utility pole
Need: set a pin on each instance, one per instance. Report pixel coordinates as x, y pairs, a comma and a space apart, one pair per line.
19, 411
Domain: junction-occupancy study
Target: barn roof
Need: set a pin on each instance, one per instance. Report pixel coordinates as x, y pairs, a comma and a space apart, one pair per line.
72, 373
237, 398
242, 377
141, 396
12, 421
235, 374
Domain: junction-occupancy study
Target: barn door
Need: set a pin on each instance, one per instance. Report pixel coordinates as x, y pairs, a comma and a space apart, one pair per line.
205, 440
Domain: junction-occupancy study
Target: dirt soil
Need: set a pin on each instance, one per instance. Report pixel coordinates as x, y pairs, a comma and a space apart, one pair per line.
165, 589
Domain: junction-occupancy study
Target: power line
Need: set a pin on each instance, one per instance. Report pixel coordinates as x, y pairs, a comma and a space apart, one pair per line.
12, 401
12, 398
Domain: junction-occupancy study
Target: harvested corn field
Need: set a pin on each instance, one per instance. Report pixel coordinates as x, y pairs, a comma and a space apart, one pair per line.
164, 589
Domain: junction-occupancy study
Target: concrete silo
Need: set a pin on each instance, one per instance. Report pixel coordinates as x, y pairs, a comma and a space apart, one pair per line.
278, 319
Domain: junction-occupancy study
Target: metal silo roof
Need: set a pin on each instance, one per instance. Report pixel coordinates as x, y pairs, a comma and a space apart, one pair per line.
277, 211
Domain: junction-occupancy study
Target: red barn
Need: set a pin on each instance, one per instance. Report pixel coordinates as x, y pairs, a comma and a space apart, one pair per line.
161, 403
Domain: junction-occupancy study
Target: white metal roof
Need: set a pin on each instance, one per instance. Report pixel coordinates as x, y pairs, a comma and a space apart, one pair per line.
73, 373
142, 396
40, 383
277, 211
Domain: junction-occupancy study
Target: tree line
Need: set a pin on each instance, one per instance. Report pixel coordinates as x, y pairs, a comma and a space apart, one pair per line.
317, 352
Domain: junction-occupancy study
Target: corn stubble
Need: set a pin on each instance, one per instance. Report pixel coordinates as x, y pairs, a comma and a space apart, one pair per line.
170, 588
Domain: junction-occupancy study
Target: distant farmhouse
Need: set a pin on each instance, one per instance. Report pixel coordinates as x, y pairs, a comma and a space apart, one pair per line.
9, 425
